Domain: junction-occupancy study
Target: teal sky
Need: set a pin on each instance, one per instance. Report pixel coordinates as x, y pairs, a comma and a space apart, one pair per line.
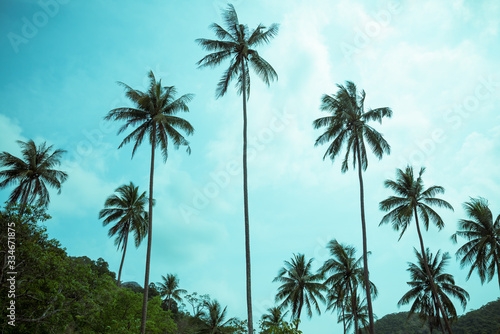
435, 63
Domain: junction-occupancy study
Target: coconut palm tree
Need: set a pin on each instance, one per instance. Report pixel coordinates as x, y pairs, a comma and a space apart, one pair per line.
214, 318
300, 287
169, 288
336, 299
273, 318
127, 209
414, 201
482, 250
32, 173
424, 301
348, 125
344, 274
237, 44
356, 314
154, 117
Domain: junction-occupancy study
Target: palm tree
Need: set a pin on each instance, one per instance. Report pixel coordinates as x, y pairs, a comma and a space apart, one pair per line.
482, 251
346, 274
32, 173
154, 117
414, 201
348, 125
128, 210
356, 314
274, 317
237, 44
424, 301
169, 288
300, 287
214, 318
336, 299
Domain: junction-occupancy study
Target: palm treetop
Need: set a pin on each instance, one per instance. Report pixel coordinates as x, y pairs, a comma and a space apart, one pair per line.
154, 109
412, 196
237, 43
420, 287
300, 286
348, 125
482, 249
32, 172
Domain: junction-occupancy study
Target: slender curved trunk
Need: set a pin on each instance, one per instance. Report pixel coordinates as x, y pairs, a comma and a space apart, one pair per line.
365, 245
150, 232
428, 272
299, 311
245, 204
343, 318
354, 309
438, 318
123, 259
498, 272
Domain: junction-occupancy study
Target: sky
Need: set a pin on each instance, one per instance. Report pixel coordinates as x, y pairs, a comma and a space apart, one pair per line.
434, 63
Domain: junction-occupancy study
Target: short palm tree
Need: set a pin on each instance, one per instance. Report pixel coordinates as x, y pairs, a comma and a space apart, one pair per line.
169, 289
274, 317
154, 117
482, 250
424, 301
414, 201
214, 318
237, 44
356, 314
336, 300
348, 125
32, 173
344, 274
127, 209
300, 287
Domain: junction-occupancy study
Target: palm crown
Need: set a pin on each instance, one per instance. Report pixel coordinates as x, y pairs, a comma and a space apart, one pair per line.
154, 116
237, 43
32, 173
348, 125
421, 292
412, 198
482, 249
299, 286
169, 288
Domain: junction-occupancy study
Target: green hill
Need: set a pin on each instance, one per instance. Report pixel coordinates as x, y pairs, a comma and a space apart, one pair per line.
485, 320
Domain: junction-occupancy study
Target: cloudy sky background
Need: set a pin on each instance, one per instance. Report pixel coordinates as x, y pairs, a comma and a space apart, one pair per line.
435, 63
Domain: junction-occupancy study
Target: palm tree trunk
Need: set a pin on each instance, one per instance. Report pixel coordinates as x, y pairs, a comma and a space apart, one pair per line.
299, 311
365, 246
343, 318
498, 272
123, 259
354, 309
245, 204
150, 232
431, 281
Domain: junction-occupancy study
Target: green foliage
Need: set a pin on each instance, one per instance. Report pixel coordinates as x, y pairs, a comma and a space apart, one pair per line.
56, 293
282, 328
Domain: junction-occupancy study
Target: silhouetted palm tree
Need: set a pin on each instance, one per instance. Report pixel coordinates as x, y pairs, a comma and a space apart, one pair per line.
128, 210
153, 117
343, 276
32, 173
424, 301
414, 201
214, 318
348, 125
482, 250
356, 314
274, 317
237, 43
169, 289
300, 287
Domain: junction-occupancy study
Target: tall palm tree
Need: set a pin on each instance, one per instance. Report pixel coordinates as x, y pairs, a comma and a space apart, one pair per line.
127, 208
482, 250
153, 116
424, 301
414, 201
214, 318
32, 173
169, 288
348, 125
237, 43
345, 275
300, 287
